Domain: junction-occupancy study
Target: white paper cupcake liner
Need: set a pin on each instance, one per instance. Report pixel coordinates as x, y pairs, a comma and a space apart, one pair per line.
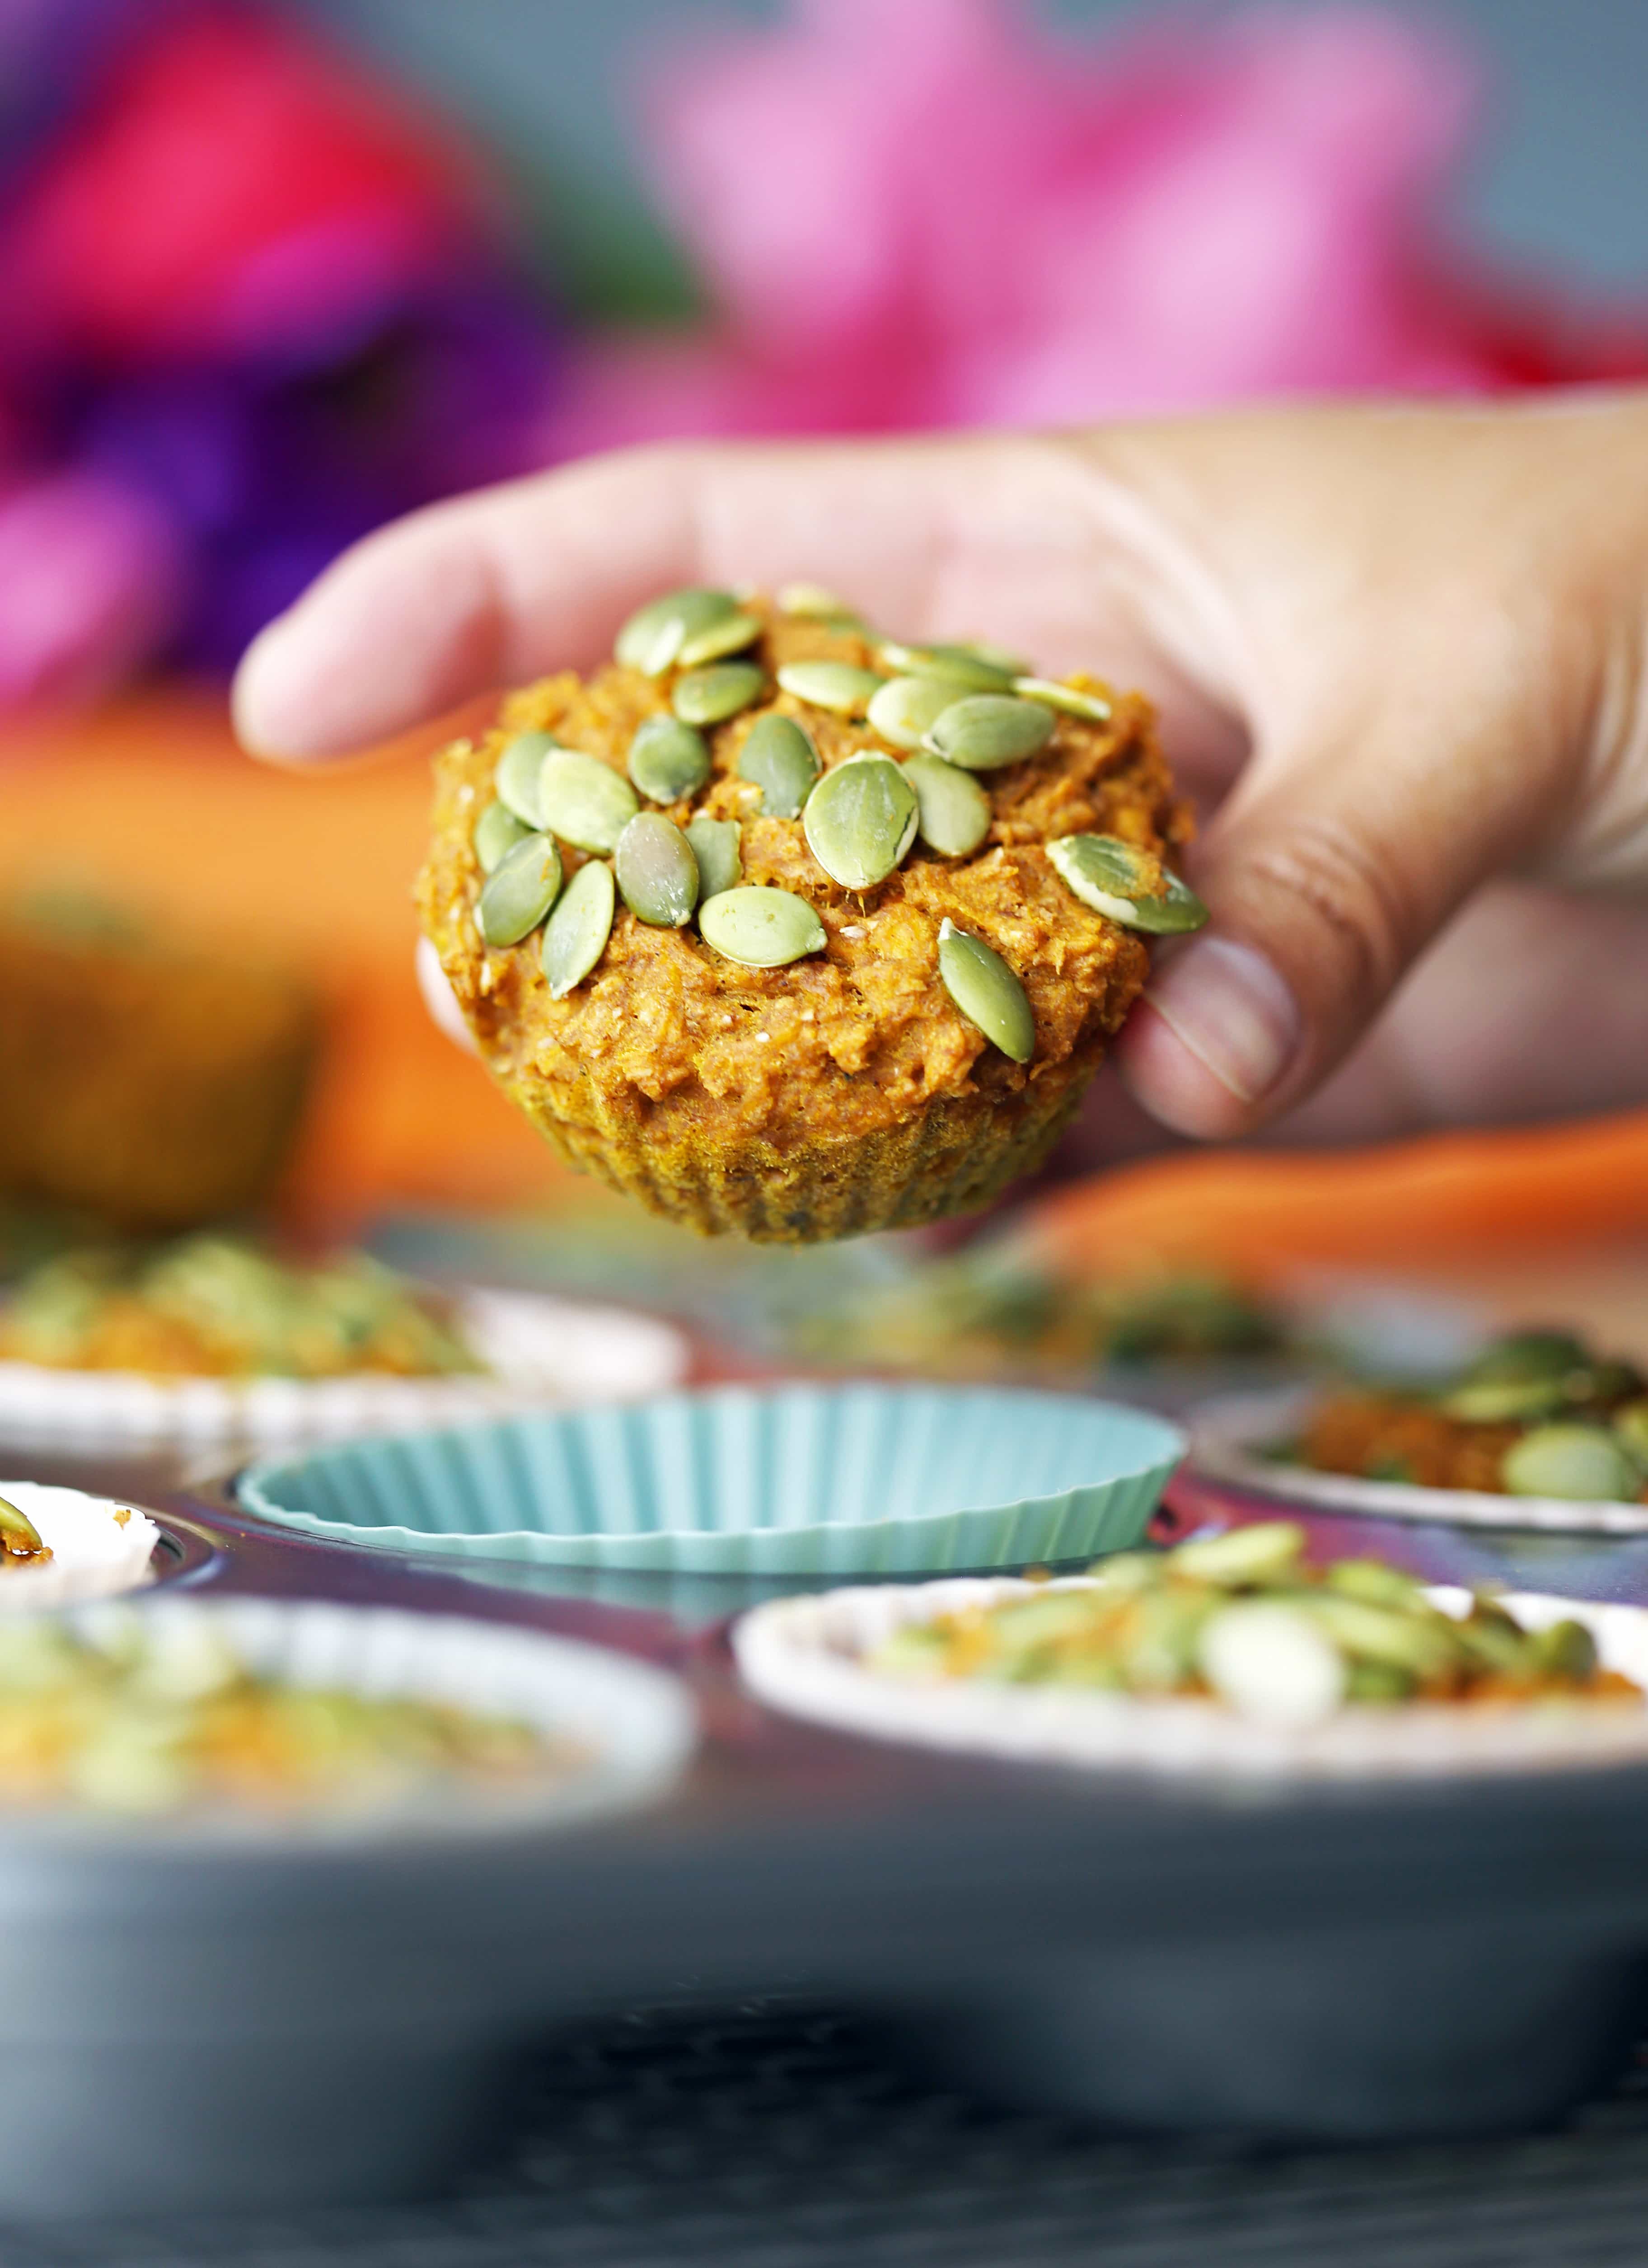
99, 1546
807, 1657
542, 1353
1228, 1438
635, 1725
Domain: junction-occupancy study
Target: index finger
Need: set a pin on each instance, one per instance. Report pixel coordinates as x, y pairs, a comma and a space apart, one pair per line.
1010, 538
499, 586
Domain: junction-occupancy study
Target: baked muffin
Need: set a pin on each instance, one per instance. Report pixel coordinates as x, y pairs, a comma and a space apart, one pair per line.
1536, 1413
154, 1083
871, 916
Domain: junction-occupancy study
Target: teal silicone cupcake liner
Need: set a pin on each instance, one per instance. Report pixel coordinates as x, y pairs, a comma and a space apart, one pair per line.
794, 1481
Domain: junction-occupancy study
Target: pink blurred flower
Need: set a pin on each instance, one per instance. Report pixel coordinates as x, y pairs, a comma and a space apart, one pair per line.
931, 212
91, 576
233, 190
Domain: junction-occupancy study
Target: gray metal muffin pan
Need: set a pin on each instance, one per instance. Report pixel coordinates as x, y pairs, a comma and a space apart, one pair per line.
1324, 1962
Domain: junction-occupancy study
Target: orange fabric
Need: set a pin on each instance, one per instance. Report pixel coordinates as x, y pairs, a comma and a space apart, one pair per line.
151, 802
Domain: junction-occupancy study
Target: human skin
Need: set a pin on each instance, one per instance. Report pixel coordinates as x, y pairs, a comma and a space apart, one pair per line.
1401, 655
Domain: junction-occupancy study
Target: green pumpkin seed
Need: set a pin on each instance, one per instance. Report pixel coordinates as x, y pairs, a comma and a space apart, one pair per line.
958, 667
18, 1529
656, 871
954, 811
1584, 1463
779, 757
715, 844
518, 772
1499, 1401
994, 657
520, 891
1493, 1637
986, 991
1566, 1650
1126, 885
710, 697
731, 635
1372, 1581
1267, 1551
905, 708
651, 640
575, 935
496, 831
983, 731
860, 821
1630, 1424
1425, 1648
667, 759
1528, 1354
840, 686
810, 601
761, 928
1271, 1663
584, 801
1070, 698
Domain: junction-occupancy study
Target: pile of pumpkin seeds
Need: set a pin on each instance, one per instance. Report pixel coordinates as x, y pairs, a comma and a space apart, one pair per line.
953, 712
1240, 1617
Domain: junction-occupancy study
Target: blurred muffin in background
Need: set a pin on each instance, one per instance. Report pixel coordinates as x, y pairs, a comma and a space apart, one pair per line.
998, 1311
216, 1307
148, 1080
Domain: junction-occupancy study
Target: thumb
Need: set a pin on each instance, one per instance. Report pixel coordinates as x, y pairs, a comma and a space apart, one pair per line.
1359, 828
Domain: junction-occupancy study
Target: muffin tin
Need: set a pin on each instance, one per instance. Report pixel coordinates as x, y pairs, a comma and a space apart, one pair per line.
1268, 1957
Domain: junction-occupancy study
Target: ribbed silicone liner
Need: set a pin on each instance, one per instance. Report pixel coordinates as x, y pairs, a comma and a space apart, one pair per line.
796, 1480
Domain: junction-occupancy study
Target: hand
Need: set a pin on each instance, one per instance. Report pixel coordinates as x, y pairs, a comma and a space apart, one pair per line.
1400, 655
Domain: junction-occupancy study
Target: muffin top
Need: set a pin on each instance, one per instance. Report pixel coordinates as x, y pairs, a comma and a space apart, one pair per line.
920, 940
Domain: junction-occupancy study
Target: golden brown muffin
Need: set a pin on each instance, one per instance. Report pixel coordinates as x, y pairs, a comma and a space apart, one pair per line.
845, 1091
148, 1082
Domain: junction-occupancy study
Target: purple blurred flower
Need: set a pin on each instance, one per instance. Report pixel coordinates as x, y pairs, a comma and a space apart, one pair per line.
257, 301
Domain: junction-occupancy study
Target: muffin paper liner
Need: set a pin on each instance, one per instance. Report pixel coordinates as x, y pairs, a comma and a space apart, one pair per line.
805, 1656
1228, 1437
796, 1481
635, 1724
540, 1350
95, 1553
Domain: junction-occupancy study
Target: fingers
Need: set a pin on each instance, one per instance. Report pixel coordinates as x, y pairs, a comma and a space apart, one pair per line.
1328, 874
501, 587
997, 537
1421, 641
1531, 1005
440, 1000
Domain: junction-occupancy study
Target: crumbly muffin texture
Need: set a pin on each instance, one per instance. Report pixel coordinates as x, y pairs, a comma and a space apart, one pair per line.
845, 1091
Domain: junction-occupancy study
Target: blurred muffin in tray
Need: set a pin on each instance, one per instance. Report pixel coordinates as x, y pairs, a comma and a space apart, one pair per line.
148, 1080
214, 1307
1000, 1310
1537, 1413
873, 912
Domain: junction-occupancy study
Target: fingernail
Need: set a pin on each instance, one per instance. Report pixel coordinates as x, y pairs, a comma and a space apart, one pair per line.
1228, 1005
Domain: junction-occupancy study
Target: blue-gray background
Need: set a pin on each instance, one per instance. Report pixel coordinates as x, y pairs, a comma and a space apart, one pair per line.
1559, 180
